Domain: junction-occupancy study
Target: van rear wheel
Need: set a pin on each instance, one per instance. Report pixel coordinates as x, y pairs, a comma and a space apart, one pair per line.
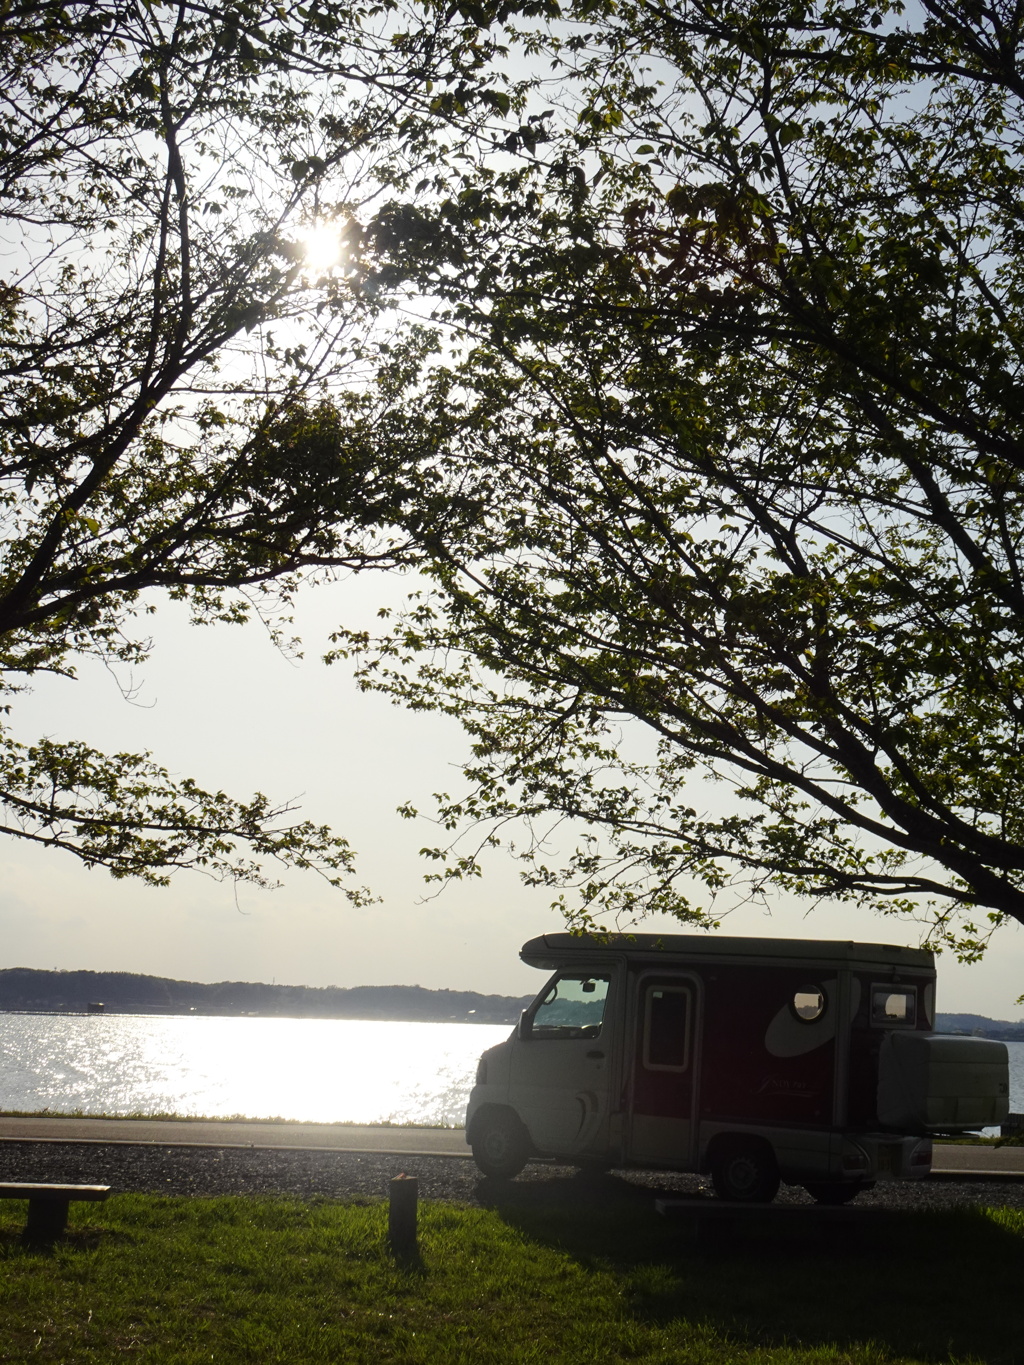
501, 1147
745, 1172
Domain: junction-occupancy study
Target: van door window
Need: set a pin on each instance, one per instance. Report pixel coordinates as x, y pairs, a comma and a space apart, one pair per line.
667, 1028
572, 1008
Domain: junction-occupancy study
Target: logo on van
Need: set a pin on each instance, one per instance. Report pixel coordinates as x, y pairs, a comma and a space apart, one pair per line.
785, 1085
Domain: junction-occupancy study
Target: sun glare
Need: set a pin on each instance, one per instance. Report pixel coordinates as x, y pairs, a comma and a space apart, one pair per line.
322, 246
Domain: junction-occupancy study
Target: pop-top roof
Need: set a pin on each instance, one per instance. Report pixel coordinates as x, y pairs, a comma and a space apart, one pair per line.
556, 950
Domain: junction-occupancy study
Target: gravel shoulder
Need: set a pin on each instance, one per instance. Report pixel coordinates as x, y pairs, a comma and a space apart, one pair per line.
204, 1172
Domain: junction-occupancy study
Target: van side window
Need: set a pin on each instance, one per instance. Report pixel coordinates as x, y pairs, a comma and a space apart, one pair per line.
667, 1028
809, 1003
892, 1006
572, 1008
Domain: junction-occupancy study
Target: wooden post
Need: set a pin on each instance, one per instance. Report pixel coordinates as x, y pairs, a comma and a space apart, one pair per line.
404, 1191
47, 1220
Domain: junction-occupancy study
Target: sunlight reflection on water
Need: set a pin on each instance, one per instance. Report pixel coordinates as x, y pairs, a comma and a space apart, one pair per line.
316, 1070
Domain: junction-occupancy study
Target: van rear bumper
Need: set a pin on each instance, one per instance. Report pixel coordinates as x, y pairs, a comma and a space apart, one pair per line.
885, 1156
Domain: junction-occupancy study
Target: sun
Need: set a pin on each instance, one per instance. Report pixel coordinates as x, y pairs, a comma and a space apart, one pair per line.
321, 246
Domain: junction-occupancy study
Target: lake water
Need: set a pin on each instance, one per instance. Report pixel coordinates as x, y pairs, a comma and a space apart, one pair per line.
316, 1070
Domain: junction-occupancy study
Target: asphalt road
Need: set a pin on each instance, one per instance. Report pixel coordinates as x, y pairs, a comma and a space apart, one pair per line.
322, 1137
383, 1141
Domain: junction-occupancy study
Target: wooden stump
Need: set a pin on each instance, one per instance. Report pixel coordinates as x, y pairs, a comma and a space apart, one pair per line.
404, 1193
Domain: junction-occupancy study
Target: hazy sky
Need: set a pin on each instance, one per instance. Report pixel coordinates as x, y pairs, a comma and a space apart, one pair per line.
222, 705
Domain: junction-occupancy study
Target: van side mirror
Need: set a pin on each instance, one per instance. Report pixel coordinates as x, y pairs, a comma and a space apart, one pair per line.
523, 1031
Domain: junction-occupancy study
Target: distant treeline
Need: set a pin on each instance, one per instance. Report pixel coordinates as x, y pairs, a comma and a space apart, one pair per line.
27, 989
980, 1026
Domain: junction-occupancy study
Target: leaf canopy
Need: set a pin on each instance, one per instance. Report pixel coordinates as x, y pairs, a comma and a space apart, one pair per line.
166, 350
737, 409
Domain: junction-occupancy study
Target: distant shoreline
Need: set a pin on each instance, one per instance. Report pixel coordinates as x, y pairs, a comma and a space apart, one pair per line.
977, 1026
108, 1013
26, 990
29, 990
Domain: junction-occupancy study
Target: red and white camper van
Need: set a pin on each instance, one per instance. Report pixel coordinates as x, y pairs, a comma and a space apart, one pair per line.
758, 1060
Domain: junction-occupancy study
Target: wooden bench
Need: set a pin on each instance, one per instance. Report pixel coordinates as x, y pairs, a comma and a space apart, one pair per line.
48, 1206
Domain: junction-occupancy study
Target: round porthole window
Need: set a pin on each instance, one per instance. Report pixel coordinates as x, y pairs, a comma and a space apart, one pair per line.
809, 1003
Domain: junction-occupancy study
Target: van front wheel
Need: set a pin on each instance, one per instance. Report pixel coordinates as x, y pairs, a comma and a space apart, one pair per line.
745, 1172
500, 1145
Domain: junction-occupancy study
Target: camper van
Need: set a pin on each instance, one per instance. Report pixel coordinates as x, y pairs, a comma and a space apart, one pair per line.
757, 1060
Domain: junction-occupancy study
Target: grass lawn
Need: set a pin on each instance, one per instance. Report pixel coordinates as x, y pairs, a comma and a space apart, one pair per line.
179, 1281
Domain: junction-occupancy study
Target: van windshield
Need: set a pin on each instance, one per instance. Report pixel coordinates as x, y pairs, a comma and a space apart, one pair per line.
572, 1008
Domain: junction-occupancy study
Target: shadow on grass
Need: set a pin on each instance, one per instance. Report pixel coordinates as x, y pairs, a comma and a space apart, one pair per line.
85, 1239
935, 1286
408, 1260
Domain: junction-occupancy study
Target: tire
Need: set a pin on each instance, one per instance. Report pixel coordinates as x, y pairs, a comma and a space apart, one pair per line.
835, 1192
501, 1147
745, 1172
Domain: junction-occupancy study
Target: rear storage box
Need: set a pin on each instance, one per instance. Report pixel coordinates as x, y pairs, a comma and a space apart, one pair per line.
932, 1082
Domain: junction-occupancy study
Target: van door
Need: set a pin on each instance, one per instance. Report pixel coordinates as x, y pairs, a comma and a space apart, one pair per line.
560, 1065
661, 1121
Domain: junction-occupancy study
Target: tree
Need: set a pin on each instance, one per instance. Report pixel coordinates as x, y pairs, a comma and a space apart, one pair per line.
166, 347
737, 415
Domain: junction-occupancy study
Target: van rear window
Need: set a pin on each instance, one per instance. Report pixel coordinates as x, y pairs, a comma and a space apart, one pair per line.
893, 1006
